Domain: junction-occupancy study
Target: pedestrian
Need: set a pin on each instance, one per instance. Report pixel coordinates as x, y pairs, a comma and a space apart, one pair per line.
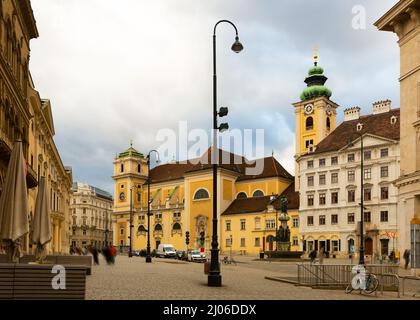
321, 255
406, 257
95, 255
312, 256
113, 254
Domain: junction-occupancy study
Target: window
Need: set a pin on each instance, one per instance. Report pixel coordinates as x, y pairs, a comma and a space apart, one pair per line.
384, 153
310, 220
122, 231
334, 177
295, 241
322, 199
309, 143
310, 200
84, 210
122, 167
350, 175
142, 218
367, 155
334, 161
176, 227
350, 157
367, 173
350, 218
322, 220
367, 194
158, 216
351, 195
322, 179
228, 242
201, 194
139, 168
84, 232
270, 224
295, 222
384, 193
241, 195
334, 197
334, 218
384, 172
310, 164
367, 216
258, 193
242, 242
384, 216
309, 123
243, 224
177, 215
257, 242
158, 227
310, 181
257, 223
228, 226
322, 162
335, 246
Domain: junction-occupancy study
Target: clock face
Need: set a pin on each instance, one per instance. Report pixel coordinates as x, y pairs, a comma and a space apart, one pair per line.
122, 196
309, 108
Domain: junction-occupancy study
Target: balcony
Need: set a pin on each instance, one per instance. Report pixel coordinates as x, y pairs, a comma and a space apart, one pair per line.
31, 177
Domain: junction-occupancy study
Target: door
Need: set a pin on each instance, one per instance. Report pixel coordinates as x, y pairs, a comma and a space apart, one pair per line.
157, 244
368, 246
270, 240
384, 247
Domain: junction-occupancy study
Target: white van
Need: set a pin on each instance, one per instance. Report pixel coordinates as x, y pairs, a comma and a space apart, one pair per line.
166, 251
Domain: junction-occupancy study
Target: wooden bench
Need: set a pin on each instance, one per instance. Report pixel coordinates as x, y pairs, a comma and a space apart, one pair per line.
58, 259
34, 282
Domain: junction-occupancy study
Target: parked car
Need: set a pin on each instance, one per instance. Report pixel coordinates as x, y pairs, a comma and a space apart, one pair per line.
182, 255
166, 251
196, 256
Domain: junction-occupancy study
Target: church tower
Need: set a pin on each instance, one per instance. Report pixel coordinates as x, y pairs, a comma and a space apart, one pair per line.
130, 173
315, 114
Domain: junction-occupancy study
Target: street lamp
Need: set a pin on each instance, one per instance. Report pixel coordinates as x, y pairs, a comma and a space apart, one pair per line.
214, 277
148, 256
361, 245
130, 252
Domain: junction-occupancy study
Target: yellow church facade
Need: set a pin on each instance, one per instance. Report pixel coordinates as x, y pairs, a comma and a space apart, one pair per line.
181, 200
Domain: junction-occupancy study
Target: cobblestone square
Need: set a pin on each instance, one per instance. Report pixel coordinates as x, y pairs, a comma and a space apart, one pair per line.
167, 279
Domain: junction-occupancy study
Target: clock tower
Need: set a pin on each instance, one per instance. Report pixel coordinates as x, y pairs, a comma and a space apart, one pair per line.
315, 114
130, 174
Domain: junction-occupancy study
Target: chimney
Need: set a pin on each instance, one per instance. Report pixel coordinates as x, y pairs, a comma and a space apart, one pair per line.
351, 113
381, 106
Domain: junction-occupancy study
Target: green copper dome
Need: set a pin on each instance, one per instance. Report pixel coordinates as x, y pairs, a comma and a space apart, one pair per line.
316, 84
314, 92
131, 152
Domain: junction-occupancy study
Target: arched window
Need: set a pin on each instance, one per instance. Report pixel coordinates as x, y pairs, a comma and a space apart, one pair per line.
258, 193
309, 123
141, 229
201, 194
328, 123
122, 167
241, 195
158, 227
176, 226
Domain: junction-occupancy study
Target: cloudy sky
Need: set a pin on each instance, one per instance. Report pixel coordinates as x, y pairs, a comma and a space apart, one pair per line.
121, 70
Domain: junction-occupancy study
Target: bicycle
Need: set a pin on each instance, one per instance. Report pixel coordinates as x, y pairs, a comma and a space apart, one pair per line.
228, 260
371, 283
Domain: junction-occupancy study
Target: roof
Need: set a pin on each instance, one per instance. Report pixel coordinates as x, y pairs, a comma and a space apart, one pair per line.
248, 205
259, 204
98, 192
228, 161
292, 198
375, 124
130, 152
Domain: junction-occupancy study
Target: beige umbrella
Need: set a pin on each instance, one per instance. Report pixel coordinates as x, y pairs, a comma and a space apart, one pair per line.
14, 223
41, 233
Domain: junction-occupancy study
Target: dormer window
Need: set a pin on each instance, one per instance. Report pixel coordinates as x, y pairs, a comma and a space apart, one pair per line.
393, 120
359, 127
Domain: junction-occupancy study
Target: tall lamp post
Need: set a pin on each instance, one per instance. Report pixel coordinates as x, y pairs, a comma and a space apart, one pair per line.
130, 252
148, 256
214, 277
361, 245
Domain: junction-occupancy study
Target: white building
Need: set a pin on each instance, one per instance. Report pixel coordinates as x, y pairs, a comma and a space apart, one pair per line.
91, 216
329, 179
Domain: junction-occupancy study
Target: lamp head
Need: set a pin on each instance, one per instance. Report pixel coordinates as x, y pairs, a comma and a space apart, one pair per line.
237, 46
223, 127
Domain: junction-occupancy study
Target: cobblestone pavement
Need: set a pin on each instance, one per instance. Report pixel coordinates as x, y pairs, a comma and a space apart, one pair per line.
166, 279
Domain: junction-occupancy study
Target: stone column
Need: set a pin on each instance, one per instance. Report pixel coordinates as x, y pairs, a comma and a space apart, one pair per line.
55, 237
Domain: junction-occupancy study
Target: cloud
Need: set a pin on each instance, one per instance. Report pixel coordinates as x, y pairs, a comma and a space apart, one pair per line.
122, 70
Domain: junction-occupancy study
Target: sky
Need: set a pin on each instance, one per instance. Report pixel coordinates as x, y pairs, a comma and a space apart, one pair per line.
122, 70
